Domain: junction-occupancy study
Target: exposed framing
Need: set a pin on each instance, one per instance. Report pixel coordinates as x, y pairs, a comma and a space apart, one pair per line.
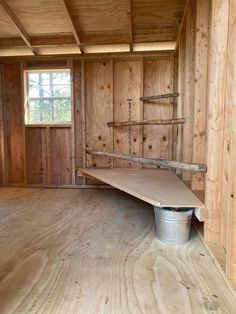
13, 19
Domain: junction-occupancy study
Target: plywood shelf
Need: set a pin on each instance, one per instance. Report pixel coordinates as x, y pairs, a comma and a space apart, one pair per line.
157, 187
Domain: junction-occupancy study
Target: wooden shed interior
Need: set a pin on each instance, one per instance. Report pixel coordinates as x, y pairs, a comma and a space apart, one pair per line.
146, 81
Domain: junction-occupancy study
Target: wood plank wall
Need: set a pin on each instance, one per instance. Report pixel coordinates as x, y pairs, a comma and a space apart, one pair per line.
192, 85
158, 139
13, 123
103, 91
207, 85
1, 135
221, 176
229, 179
128, 87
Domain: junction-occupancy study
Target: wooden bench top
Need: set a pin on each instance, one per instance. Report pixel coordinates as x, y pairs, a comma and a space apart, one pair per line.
160, 188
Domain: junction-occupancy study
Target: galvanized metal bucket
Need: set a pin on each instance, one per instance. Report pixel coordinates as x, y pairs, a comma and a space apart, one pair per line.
173, 224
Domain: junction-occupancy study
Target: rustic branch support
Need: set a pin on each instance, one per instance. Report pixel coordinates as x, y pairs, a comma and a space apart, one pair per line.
147, 122
150, 161
156, 97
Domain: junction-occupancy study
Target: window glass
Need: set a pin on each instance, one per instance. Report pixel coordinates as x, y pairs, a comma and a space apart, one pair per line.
48, 97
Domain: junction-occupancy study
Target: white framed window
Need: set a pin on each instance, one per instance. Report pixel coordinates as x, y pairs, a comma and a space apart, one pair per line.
47, 96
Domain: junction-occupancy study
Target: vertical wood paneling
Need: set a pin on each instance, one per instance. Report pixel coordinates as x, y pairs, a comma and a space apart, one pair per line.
13, 122
36, 156
1, 134
228, 213
175, 109
127, 85
60, 160
72, 133
189, 87
181, 98
97, 86
99, 110
200, 97
215, 117
158, 79
48, 155
78, 117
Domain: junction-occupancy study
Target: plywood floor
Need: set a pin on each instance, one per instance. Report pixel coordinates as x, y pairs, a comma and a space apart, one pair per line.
90, 251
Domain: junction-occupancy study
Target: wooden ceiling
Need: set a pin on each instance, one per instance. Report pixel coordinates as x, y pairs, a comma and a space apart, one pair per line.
42, 27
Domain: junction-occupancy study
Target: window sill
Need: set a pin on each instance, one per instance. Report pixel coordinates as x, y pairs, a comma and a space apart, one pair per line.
49, 125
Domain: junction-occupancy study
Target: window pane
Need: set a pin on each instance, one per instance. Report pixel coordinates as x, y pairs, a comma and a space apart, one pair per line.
62, 110
62, 116
49, 97
61, 78
62, 104
44, 78
61, 91
33, 80
39, 116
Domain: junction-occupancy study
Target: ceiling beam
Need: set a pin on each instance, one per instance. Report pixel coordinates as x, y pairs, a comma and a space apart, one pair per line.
14, 21
65, 4
130, 24
69, 40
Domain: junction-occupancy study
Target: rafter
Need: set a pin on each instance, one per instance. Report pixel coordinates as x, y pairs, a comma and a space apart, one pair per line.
14, 21
130, 24
70, 17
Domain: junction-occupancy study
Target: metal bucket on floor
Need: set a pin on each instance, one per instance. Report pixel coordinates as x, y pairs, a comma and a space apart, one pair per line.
173, 224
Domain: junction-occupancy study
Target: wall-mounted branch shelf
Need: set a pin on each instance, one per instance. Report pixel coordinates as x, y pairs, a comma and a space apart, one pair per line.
147, 122
151, 161
156, 97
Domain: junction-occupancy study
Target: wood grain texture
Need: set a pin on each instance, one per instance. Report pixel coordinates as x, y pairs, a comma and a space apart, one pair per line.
36, 156
189, 81
151, 161
180, 99
175, 108
79, 122
49, 155
158, 79
200, 90
13, 122
60, 156
51, 23
2, 153
127, 85
85, 252
99, 110
215, 116
160, 188
228, 212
